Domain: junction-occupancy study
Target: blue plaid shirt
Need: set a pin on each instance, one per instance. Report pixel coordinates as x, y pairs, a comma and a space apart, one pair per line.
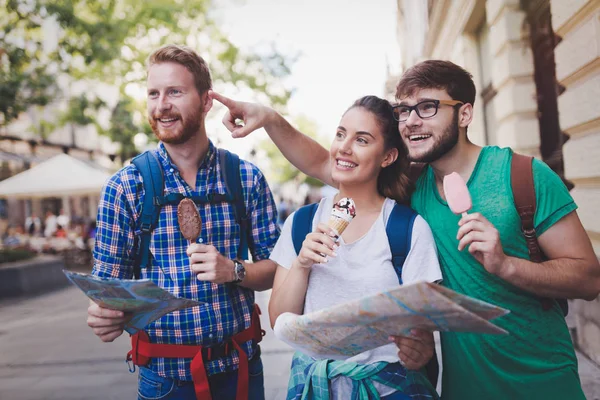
228, 307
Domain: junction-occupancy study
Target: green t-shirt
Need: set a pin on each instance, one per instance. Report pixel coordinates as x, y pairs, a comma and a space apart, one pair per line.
536, 360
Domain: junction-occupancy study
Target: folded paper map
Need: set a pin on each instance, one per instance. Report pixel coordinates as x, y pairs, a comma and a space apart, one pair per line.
142, 298
351, 328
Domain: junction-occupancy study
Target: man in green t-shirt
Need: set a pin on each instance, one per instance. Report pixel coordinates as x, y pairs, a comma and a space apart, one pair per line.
482, 254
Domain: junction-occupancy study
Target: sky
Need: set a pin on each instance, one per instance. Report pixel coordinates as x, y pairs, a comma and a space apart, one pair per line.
344, 47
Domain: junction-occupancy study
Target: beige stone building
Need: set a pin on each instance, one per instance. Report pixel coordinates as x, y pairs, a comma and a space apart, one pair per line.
536, 64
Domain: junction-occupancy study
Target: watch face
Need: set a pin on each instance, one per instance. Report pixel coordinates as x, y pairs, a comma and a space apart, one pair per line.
240, 271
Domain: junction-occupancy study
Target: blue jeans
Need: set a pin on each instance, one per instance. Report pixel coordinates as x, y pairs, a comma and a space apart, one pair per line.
396, 396
223, 386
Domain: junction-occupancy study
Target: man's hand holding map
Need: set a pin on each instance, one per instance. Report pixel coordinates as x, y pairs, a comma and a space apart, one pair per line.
348, 329
142, 298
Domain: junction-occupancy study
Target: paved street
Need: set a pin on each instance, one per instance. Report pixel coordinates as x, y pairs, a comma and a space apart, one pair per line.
48, 352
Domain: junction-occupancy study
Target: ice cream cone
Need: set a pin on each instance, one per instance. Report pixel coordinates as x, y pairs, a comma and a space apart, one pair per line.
338, 224
342, 214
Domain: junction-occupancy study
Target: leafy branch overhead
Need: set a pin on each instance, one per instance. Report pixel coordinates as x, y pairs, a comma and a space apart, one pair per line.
281, 170
107, 42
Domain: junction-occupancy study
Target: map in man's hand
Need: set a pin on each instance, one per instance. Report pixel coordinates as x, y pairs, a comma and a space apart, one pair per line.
141, 297
351, 328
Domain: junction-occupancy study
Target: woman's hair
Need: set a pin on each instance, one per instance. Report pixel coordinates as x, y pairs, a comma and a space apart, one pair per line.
393, 180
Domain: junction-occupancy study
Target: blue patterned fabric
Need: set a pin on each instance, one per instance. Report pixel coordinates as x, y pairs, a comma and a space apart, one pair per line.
227, 309
310, 379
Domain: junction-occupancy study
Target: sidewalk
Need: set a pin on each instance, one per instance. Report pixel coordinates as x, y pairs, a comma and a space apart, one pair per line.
48, 352
590, 377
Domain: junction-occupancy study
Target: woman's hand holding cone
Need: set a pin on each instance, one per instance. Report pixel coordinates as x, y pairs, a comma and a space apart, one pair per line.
317, 246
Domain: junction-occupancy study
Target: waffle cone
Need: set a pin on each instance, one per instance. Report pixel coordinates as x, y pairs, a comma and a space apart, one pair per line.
337, 223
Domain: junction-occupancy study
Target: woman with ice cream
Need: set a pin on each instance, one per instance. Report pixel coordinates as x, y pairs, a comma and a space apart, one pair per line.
347, 256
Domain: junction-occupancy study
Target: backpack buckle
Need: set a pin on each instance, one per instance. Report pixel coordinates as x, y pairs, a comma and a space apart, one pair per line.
129, 361
529, 233
145, 227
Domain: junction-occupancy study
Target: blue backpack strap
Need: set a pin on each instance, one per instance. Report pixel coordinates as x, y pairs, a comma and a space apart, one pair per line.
230, 168
399, 233
152, 177
302, 224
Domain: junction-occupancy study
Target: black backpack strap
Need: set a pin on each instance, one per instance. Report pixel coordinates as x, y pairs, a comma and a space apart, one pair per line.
230, 168
302, 224
523, 189
152, 177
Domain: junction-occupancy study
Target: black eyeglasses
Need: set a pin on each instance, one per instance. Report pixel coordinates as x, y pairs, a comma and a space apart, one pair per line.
424, 109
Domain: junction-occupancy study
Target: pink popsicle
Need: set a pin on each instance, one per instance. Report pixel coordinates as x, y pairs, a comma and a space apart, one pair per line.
457, 194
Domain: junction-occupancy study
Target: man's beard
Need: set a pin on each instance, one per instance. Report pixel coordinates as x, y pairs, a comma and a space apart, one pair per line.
191, 125
442, 145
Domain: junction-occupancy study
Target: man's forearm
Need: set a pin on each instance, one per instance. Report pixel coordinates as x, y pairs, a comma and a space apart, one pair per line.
259, 275
302, 151
559, 278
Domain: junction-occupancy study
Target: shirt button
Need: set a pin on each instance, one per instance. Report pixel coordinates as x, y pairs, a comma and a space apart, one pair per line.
171, 170
210, 335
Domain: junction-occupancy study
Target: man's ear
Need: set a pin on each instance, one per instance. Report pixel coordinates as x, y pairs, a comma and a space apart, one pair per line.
465, 115
207, 102
390, 157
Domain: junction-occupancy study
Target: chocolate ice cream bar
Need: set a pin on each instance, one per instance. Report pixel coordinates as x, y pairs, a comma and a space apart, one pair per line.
190, 223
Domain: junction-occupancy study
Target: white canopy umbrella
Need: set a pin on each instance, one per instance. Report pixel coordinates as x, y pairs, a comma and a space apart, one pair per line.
59, 176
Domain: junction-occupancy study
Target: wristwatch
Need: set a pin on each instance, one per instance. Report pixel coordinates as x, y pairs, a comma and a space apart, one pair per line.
239, 271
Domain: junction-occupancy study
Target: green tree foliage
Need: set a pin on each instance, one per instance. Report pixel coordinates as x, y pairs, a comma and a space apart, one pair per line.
24, 79
108, 41
122, 121
282, 170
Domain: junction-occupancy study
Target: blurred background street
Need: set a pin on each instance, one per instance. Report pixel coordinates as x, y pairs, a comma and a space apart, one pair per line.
48, 352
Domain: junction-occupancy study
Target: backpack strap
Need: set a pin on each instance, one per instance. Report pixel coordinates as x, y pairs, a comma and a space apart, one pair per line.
415, 170
521, 178
523, 188
399, 233
230, 168
152, 178
399, 229
302, 224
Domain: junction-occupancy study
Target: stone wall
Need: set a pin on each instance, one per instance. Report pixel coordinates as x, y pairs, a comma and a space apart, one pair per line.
577, 22
30, 277
587, 324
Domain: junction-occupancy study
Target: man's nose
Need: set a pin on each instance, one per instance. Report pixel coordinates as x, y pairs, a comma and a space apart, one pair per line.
163, 103
413, 119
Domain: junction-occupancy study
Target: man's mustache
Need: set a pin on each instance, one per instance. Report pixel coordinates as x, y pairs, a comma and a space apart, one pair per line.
158, 116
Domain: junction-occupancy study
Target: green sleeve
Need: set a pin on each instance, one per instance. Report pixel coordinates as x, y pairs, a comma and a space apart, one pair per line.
553, 200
